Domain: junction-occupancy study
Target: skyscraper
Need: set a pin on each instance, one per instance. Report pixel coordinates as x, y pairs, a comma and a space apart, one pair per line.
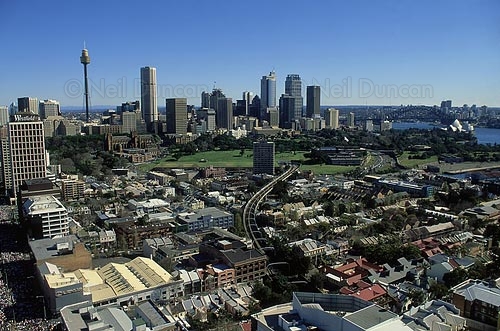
134, 106
4, 115
286, 111
177, 115
26, 157
214, 98
224, 113
27, 105
332, 118
268, 91
210, 119
446, 104
129, 121
205, 99
148, 97
49, 108
293, 85
313, 101
248, 97
350, 120
273, 116
263, 157
293, 92
12, 108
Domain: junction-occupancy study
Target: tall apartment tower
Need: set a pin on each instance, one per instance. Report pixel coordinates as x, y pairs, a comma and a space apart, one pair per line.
263, 157
268, 91
224, 113
332, 118
49, 108
177, 115
313, 101
350, 120
148, 97
26, 157
27, 105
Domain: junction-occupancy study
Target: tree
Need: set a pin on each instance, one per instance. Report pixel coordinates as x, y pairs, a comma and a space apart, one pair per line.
455, 277
318, 280
438, 290
239, 228
417, 297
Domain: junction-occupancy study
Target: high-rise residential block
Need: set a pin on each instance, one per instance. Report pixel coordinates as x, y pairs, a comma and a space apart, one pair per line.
263, 157
332, 118
350, 120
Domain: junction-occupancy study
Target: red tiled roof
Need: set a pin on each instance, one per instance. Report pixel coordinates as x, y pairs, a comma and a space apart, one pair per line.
364, 290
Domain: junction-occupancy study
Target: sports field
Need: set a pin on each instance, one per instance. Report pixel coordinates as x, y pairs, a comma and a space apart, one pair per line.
415, 163
234, 159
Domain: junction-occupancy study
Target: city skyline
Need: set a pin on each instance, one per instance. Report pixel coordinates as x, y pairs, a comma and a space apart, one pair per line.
361, 53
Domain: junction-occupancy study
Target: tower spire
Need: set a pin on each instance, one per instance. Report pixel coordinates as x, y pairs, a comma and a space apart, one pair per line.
85, 60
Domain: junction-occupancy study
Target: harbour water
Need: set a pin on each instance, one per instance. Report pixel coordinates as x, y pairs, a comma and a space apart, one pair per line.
484, 135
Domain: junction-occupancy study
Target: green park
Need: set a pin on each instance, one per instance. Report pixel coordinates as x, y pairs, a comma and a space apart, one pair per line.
237, 159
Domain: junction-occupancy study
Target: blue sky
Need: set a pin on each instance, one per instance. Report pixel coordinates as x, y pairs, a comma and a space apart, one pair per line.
360, 52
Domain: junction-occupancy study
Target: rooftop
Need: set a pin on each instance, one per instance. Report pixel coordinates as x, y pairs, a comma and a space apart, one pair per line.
478, 290
371, 316
42, 204
48, 248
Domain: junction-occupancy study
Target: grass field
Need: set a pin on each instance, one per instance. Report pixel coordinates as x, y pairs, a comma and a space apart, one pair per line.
415, 163
233, 159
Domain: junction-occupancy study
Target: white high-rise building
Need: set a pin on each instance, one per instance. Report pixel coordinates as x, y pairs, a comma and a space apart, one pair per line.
47, 216
332, 118
149, 102
350, 120
26, 157
248, 97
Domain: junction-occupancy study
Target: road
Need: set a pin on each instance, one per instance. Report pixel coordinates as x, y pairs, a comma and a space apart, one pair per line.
251, 207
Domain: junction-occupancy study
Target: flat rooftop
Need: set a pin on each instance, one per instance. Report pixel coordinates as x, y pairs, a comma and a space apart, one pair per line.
368, 317
44, 249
